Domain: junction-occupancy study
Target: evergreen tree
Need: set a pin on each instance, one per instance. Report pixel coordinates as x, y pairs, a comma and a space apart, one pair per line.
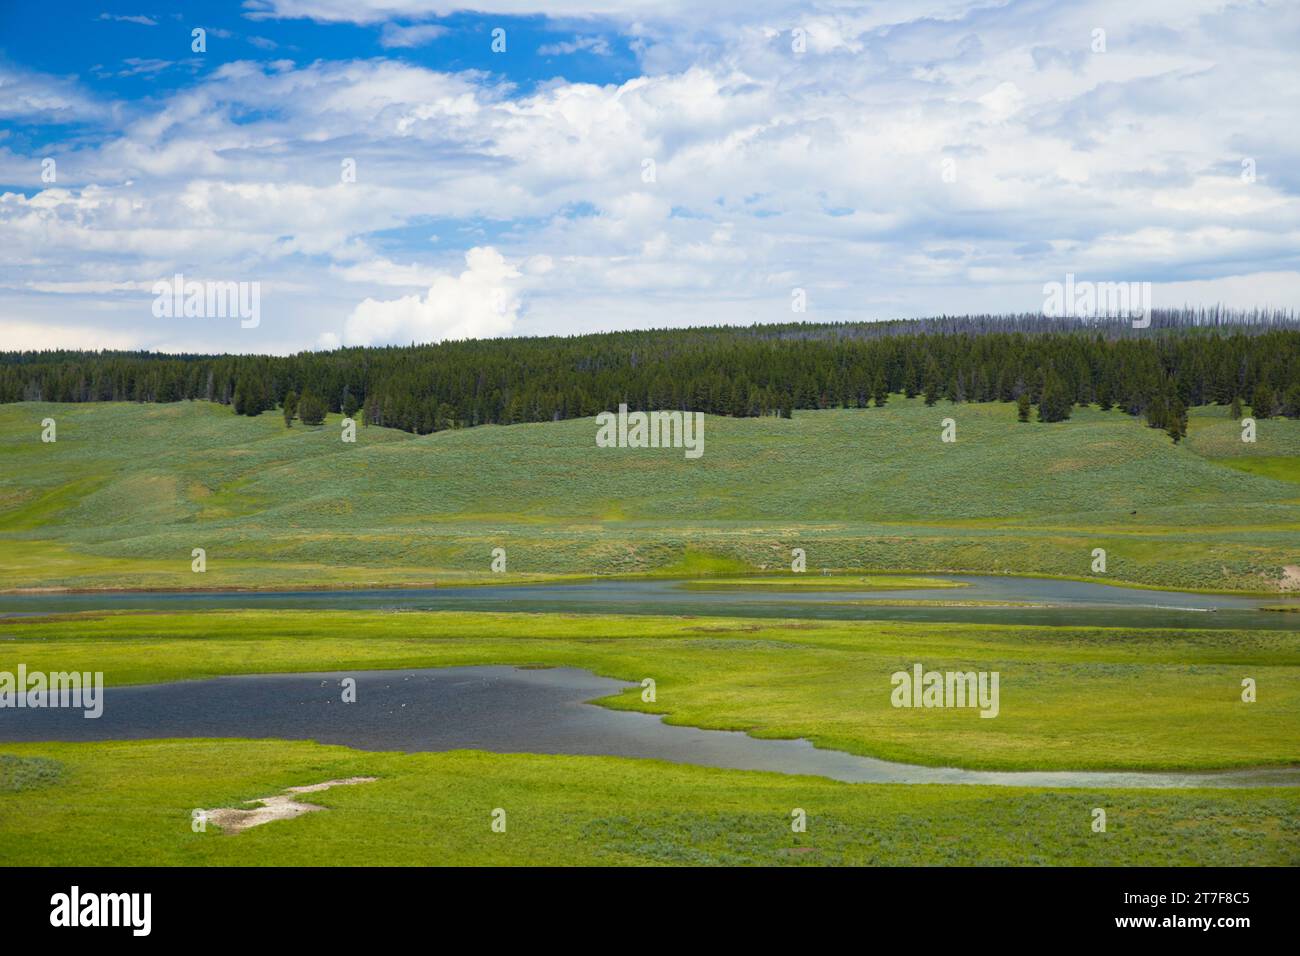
1055, 404
1263, 404
1291, 403
1022, 407
1196, 359
240, 401
290, 408
1157, 412
1105, 395
932, 378
251, 396
312, 409
1176, 423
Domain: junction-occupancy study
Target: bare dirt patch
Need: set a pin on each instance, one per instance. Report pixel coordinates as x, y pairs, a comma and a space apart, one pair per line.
282, 807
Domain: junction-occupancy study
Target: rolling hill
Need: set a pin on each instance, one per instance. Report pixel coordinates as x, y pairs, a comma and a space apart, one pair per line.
127, 491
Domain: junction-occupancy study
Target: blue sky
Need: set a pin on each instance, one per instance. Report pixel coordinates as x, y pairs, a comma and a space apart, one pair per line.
632, 164
85, 38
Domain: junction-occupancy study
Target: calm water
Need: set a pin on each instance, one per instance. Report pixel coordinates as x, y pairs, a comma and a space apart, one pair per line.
509, 710
1070, 603
505, 710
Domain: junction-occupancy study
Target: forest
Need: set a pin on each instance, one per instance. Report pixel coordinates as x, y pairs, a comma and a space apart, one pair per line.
1186, 358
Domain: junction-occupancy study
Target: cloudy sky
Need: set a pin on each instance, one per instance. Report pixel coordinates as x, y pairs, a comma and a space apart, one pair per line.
632, 163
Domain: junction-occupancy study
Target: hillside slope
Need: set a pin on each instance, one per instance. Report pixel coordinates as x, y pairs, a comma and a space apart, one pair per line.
128, 491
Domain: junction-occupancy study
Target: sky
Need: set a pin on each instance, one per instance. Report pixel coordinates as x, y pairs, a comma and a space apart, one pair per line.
396, 171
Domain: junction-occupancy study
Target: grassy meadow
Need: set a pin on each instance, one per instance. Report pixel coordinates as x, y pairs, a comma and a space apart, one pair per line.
1071, 699
127, 491
131, 804
1104, 699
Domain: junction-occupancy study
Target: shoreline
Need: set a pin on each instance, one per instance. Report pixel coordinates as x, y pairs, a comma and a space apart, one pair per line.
545, 579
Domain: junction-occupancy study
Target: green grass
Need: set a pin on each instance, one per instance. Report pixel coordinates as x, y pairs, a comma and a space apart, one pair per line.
1070, 698
1279, 468
28, 773
129, 490
131, 804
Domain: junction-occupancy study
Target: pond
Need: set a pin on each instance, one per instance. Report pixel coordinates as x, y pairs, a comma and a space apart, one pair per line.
506, 710
1057, 602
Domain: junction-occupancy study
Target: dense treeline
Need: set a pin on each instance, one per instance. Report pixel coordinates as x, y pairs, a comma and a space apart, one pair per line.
1185, 358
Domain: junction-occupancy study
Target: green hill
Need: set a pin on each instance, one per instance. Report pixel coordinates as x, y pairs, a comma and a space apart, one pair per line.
128, 490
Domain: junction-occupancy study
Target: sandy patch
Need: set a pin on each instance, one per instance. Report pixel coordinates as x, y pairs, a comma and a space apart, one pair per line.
235, 819
1290, 577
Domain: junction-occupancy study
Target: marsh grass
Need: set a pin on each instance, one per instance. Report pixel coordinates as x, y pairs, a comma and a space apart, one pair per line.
1071, 698
131, 803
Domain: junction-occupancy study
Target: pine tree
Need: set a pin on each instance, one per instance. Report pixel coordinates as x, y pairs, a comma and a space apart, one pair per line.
312, 409
1157, 413
290, 408
1176, 424
1022, 407
766, 370
1105, 396
1291, 404
1055, 404
931, 381
1263, 405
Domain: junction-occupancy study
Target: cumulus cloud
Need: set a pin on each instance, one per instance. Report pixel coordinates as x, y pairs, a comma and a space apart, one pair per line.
481, 302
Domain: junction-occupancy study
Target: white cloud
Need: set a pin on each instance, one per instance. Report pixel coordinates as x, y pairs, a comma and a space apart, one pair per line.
377, 11
394, 36
49, 99
89, 287
141, 19
481, 302
598, 46
772, 169
387, 273
36, 336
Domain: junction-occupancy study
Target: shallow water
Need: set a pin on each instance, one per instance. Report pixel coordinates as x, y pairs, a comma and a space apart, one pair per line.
1066, 603
505, 710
